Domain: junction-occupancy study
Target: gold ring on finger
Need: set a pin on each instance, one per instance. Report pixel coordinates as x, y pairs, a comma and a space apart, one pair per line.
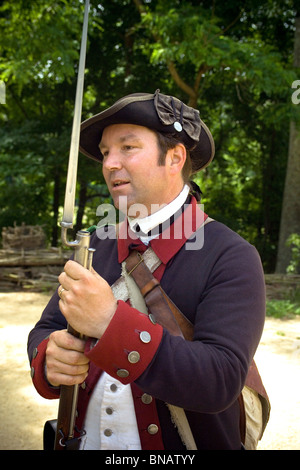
60, 291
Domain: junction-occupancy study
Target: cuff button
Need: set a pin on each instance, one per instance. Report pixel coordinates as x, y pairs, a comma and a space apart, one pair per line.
145, 337
122, 373
35, 353
146, 399
134, 357
152, 318
152, 429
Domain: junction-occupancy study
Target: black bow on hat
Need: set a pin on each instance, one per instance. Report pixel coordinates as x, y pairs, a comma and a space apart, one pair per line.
159, 112
171, 110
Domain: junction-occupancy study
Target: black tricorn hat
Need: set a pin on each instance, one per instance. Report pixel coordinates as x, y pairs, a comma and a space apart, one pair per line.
161, 113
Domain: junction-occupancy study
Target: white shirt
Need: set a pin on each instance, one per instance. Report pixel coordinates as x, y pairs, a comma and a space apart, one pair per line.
153, 220
110, 422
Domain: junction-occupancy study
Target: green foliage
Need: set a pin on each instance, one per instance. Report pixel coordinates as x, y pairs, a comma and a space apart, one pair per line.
39, 41
234, 66
285, 307
282, 308
294, 242
232, 60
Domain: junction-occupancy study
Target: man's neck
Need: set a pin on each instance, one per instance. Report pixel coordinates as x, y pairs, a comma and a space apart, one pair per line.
142, 226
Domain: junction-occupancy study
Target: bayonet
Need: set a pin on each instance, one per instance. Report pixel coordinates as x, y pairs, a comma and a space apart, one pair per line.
65, 428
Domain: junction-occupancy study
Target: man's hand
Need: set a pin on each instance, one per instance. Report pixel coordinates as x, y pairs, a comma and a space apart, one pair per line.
87, 301
65, 360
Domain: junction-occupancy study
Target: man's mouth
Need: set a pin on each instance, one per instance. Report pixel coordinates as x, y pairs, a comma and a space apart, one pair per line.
117, 183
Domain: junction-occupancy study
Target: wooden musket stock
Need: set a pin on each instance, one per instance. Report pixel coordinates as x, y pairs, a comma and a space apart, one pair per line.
65, 430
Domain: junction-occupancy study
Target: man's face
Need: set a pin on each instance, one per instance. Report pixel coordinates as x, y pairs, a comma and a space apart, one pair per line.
130, 166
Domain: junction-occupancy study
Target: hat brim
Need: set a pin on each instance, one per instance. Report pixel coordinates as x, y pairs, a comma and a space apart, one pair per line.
139, 110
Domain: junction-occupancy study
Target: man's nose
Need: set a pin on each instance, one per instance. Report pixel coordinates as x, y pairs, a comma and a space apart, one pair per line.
112, 161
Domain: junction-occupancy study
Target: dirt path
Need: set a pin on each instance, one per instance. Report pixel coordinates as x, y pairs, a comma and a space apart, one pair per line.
23, 411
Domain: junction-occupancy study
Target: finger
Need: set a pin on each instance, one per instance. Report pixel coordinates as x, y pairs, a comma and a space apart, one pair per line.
74, 270
62, 278
67, 357
60, 291
92, 270
64, 340
61, 379
55, 366
65, 365
66, 281
61, 374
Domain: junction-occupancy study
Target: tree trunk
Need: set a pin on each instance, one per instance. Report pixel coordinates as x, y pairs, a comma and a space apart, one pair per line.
290, 213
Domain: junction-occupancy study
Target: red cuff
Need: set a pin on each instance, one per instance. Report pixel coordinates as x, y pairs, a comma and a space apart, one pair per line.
38, 372
128, 345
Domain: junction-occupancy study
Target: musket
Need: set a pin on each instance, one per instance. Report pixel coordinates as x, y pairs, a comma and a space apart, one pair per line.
65, 430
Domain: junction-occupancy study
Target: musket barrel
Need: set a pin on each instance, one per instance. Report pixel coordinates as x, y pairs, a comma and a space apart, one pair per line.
64, 438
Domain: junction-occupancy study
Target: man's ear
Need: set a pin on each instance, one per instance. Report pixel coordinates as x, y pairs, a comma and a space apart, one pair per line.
176, 158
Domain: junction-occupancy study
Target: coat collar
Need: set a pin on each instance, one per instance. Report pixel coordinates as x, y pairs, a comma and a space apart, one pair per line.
155, 220
170, 241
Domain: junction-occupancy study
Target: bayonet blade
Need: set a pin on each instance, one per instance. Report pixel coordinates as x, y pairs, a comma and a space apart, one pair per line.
68, 214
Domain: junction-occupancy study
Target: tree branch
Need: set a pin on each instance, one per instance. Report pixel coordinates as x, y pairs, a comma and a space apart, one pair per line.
233, 22
17, 101
170, 64
181, 83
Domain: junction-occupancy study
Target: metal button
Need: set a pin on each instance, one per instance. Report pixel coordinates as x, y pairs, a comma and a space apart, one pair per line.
109, 410
145, 337
35, 353
152, 318
146, 399
113, 387
152, 429
108, 432
177, 126
32, 372
134, 357
122, 373
83, 385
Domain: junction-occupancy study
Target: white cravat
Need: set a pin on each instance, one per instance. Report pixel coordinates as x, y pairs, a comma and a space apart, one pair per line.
110, 422
162, 215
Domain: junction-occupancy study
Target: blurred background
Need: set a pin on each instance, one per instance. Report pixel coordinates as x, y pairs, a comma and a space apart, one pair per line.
236, 61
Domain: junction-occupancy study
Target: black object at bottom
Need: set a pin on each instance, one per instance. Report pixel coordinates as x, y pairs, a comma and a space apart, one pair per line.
49, 437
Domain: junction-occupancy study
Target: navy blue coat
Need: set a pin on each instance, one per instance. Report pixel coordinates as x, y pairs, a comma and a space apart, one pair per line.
220, 289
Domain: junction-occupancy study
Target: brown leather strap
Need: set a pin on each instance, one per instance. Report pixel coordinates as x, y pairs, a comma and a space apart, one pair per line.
254, 381
150, 287
160, 305
184, 324
170, 317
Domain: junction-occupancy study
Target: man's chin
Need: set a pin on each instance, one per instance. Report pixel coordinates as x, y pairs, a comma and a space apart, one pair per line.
130, 207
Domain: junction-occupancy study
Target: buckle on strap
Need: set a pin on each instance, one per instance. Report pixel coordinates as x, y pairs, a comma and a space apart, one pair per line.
139, 262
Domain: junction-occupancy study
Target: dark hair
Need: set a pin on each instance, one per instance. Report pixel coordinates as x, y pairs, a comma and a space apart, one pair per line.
167, 142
